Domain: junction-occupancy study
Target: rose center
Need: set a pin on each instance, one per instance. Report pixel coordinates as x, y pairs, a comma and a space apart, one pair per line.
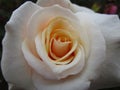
59, 41
60, 46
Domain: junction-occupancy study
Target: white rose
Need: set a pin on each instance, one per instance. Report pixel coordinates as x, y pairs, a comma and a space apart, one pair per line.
55, 45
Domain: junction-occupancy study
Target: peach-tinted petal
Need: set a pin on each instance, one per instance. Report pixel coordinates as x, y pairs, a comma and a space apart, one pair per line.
61, 71
60, 29
60, 48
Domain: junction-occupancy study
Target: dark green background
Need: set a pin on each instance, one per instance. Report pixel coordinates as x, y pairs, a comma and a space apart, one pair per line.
7, 7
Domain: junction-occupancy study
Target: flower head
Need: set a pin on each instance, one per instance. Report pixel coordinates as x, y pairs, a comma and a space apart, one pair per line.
56, 44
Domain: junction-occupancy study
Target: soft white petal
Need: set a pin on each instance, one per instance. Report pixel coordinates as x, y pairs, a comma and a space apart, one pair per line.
71, 83
47, 3
64, 3
36, 63
14, 66
97, 51
110, 70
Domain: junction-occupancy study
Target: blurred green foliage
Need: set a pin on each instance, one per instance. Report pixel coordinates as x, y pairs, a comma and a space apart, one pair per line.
8, 6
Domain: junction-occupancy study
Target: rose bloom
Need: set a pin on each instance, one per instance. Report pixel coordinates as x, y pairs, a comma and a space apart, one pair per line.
111, 9
57, 45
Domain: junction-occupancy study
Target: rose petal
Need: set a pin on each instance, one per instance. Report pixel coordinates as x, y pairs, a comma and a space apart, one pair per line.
110, 70
65, 84
14, 67
64, 3
47, 3
60, 48
97, 51
36, 63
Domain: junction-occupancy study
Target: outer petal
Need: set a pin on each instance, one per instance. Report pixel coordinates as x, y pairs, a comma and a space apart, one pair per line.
14, 66
64, 3
38, 65
71, 83
110, 70
47, 3
98, 47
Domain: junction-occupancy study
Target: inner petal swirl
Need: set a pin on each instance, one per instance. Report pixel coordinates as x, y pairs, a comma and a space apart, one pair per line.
59, 41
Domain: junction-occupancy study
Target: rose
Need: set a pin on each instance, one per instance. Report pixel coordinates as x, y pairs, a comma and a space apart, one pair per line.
36, 36
111, 9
